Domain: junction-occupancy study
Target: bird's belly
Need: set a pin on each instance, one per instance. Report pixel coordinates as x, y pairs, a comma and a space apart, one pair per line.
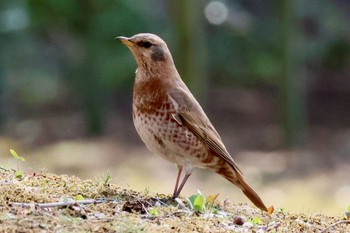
166, 138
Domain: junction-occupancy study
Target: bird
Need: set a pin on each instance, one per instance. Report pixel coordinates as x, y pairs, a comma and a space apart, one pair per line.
171, 122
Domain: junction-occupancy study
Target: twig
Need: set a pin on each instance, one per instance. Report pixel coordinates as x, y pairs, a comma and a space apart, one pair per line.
160, 202
180, 202
307, 224
144, 208
4, 169
334, 224
7, 170
60, 204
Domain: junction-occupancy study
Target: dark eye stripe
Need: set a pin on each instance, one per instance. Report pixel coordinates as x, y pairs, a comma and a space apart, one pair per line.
145, 44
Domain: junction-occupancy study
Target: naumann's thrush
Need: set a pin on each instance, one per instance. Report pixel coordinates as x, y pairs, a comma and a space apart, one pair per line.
171, 122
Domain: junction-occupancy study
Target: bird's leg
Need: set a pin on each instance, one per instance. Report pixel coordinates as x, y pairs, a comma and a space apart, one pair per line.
188, 170
179, 170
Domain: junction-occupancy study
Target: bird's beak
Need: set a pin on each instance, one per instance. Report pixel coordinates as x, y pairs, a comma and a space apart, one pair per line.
125, 40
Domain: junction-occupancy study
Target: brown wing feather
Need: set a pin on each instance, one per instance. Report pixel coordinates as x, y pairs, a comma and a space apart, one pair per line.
195, 119
190, 114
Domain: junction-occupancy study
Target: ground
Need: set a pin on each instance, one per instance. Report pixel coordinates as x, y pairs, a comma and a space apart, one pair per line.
39, 202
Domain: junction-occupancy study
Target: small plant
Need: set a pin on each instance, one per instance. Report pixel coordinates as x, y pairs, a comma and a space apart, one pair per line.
197, 202
146, 191
105, 178
211, 202
19, 173
256, 221
79, 197
200, 203
154, 212
347, 213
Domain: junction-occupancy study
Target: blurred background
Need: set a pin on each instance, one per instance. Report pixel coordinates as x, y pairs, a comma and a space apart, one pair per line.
273, 77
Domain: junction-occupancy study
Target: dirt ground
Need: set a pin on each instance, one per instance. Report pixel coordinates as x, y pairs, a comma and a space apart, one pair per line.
45, 202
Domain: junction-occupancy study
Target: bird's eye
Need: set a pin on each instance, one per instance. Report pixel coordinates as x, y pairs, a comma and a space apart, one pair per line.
145, 44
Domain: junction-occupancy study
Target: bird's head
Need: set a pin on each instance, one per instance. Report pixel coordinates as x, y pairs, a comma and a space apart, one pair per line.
149, 50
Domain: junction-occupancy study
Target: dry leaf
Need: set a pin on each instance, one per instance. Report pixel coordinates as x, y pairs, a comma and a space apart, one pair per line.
212, 198
270, 210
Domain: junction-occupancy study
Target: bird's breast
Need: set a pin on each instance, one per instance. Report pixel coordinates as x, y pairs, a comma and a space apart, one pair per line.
163, 135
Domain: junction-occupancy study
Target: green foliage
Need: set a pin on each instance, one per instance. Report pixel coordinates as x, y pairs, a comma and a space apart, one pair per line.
197, 202
16, 156
347, 213
18, 173
154, 212
205, 204
256, 221
105, 178
79, 197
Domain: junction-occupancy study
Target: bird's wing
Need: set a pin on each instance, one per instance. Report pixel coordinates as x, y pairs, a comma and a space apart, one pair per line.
191, 114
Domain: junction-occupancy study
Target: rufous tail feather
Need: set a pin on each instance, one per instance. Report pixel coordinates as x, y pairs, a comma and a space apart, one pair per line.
250, 193
238, 180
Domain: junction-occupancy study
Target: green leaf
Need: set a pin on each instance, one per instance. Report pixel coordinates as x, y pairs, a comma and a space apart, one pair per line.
191, 200
79, 197
153, 212
16, 156
347, 214
199, 203
256, 221
19, 174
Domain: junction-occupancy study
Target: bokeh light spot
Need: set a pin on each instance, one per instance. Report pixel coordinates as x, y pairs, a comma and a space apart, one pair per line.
216, 12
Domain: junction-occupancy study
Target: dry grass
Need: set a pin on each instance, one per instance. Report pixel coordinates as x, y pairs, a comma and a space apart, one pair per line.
124, 210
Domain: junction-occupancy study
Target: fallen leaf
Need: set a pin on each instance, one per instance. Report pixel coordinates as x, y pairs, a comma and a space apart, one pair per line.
212, 198
270, 210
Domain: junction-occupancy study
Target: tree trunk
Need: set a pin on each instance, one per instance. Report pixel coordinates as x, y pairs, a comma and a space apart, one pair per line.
292, 82
190, 52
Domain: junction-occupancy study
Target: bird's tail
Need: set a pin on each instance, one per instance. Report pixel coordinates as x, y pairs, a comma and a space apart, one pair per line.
251, 194
237, 179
